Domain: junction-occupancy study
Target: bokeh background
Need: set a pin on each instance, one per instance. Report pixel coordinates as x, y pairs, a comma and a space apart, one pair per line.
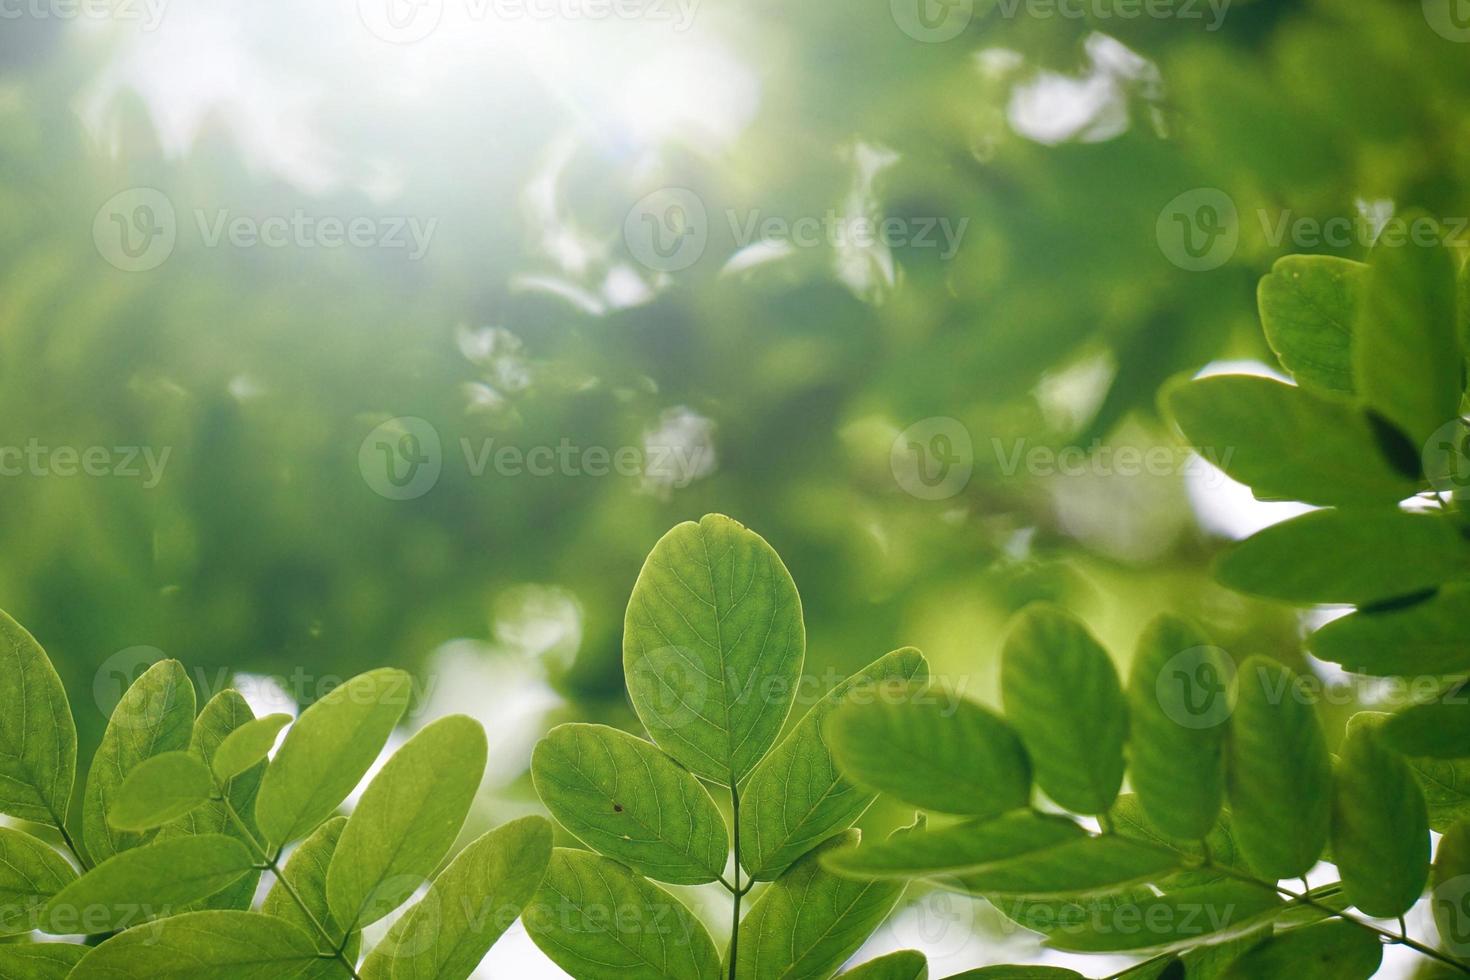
641, 238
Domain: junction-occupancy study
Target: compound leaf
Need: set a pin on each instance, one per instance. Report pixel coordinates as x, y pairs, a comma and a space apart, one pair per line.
306, 873
38, 739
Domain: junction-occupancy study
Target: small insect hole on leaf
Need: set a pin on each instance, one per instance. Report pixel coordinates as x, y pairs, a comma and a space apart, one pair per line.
617, 808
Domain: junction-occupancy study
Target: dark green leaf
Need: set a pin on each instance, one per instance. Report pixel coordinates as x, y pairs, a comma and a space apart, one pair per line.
1179, 702
159, 789
906, 964
1323, 557
40, 961
1380, 827
210, 945
327, 752
1062, 694
971, 846
1279, 773
599, 921
306, 873
1438, 729
713, 645
1450, 894
1331, 951
407, 820
1175, 920
38, 739
1286, 443
1425, 638
1019, 973
797, 796
30, 874
621, 796
155, 716
247, 745
1308, 305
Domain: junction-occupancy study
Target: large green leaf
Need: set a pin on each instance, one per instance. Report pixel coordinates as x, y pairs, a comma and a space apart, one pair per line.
1175, 920
1308, 305
1019, 973
306, 873
155, 716
933, 750
1424, 638
797, 796
622, 797
1287, 443
146, 882
1438, 729
247, 745
210, 945
471, 903
1279, 773
38, 739
1338, 556
906, 964
1380, 826
1062, 694
808, 921
1450, 883
159, 789
1406, 352
30, 874
1178, 704
327, 752
1330, 951
713, 645
407, 820
1088, 866
599, 921
40, 961
971, 846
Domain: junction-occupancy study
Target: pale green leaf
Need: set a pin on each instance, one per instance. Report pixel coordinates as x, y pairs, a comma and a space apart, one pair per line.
1087, 866
1357, 557
1175, 920
1019, 973
155, 716
1209, 962
1308, 305
247, 745
407, 820
906, 964
1287, 443
622, 797
211, 945
1280, 776
1380, 827
1425, 638
306, 873
471, 903
713, 644
599, 921
31, 872
1450, 884
327, 752
159, 789
1330, 951
971, 846
807, 922
146, 882
1062, 694
38, 739
40, 961
797, 796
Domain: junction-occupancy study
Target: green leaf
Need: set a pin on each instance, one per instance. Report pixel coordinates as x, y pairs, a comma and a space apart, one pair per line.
1380, 827
1437, 729
1130, 820
1320, 557
1450, 883
1019, 973
38, 739
155, 716
797, 796
1287, 443
975, 845
1406, 352
1088, 866
599, 921
146, 882
306, 873
207, 945
221, 715
1061, 692
622, 797
247, 745
159, 789
1175, 920
1279, 773
932, 750
1424, 638
30, 874
1178, 704
327, 752
407, 820
1308, 305
906, 964
40, 961
713, 645
808, 921
1331, 951
1209, 962
469, 906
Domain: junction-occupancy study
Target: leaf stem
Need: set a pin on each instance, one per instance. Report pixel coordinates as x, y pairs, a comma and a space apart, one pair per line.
71, 845
736, 892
